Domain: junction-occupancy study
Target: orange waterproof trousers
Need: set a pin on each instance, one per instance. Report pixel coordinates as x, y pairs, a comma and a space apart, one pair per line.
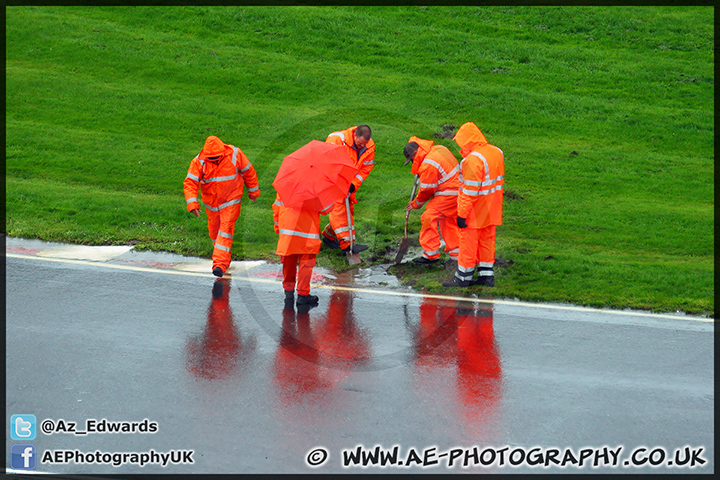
477, 249
221, 228
338, 228
298, 267
435, 222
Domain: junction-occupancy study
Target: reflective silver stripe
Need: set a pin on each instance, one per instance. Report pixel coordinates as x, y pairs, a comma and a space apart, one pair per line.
369, 162
234, 157
202, 162
420, 204
276, 223
313, 236
475, 183
427, 185
279, 203
222, 247
254, 189
221, 179
434, 164
481, 192
360, 178
464, 276
486, 264
430, 253
450, 174
329, 207
466, 270
226, 235
191, 200
193, 177
487, 169
444, 176
472, 183
226, 204
246, 168
485, 273
454, 250
342, 230
450, 193
338, 134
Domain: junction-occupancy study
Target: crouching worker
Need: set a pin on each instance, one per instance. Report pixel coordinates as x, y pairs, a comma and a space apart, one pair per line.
438, 175
219, 172
298, 245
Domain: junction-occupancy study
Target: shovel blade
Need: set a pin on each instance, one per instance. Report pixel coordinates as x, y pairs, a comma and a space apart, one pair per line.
353, 258
404, 245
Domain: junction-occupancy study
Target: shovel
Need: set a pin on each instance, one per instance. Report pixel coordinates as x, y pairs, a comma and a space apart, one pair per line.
405, 243
352, 258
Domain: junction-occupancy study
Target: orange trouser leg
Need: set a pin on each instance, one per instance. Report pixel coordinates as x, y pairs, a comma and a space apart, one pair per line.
298, 267
338, 228
429, 234
289, 263
451, 234
468, 257
439, 219
486, 251
221, 228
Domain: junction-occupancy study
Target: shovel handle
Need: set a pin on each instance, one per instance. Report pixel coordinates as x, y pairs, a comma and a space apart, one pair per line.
412, 196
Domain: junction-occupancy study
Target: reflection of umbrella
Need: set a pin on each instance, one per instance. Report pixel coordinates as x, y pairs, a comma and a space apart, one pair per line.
315, 176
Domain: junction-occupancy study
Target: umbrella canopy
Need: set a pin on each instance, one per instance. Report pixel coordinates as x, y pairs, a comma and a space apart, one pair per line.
315, 176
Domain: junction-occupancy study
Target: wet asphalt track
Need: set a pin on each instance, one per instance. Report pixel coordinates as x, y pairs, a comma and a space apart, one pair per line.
250, 387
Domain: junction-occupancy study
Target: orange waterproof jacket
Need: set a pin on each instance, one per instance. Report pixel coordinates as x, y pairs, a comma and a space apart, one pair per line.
364, 159
298, 229
220, 182
438, 171
482, 176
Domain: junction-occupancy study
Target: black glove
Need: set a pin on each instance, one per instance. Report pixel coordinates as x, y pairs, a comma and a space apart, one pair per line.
462, 223
352, 188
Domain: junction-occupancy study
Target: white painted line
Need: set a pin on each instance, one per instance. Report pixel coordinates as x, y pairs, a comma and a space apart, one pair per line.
374, 291
83, 252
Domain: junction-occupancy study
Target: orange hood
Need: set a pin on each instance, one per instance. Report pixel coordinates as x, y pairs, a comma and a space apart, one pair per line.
424, 147
213, 147
469, 137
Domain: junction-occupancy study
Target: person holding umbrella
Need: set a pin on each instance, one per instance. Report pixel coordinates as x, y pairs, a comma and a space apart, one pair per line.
308, 184
438, 171
360, 149
298, 245
219, 172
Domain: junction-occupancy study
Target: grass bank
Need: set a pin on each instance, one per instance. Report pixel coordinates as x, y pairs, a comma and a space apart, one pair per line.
605, 115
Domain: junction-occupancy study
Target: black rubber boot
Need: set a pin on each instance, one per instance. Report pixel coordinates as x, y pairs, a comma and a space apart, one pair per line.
485, 281
289, 298
425, 261
356, 248
334, 244
456, 282
307, 300
217, 271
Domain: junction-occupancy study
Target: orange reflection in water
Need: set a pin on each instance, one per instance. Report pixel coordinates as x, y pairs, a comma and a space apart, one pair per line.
455, 345
316, 355
214, 353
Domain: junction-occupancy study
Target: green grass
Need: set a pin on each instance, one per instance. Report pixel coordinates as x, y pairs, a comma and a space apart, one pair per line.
105, 107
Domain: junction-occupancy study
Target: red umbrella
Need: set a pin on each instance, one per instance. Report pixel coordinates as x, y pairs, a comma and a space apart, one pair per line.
315, 176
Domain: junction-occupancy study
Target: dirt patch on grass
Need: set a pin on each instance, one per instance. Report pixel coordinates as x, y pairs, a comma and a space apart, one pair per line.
448, 131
